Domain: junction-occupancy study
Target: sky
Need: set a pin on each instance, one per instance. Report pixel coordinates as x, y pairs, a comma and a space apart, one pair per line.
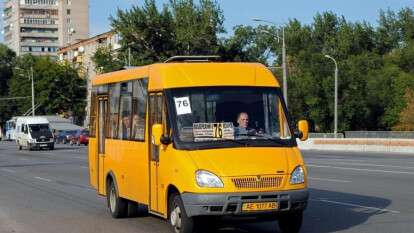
238, 12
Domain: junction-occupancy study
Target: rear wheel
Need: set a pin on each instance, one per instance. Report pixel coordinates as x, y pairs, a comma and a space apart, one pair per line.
118, 206
291, 222
177, 217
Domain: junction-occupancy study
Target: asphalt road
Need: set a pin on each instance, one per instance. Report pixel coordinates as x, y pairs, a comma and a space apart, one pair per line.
49, 192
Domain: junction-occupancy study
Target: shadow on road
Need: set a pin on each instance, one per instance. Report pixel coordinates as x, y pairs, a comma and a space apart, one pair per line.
330, 211
324, 213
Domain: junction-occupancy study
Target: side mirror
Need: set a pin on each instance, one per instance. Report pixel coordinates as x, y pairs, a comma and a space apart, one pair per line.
303, 130
156, 134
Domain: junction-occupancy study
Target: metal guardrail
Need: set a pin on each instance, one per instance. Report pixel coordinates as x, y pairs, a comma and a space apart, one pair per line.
380, 134
366, 134
326, 135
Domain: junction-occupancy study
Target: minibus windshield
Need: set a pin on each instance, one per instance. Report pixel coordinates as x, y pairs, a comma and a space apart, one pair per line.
39, 127
252, 115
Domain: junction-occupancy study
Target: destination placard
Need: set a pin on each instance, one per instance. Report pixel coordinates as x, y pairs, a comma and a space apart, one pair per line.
213, 131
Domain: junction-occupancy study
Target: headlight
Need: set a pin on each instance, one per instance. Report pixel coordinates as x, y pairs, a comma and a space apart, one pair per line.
208, 180
31, 140
297, 176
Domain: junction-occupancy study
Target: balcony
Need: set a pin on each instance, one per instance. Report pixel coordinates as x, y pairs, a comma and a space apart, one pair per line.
39, 7
40, 44
53, 54
39, 34
51, 26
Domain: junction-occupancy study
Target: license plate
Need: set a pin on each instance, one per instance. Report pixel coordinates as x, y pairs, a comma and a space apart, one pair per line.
259, 206
43, 145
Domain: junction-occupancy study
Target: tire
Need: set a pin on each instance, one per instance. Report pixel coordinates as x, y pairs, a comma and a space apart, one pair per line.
291, 222
29, 148
20, 147
118, 206
52, 147
177, 217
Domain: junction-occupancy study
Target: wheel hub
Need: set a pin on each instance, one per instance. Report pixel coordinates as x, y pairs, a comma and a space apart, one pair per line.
176, 219
112, 201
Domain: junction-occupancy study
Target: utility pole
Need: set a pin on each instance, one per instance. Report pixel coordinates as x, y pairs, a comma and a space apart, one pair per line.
336, 96
33, 105
284, 63
285, 86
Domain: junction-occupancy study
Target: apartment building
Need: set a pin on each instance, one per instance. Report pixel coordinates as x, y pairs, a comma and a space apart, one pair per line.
41, 27
80, 54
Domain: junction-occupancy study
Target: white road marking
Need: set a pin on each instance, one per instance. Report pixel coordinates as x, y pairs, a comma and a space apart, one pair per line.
360, 169
333, 180
44, 179
329, 159
8, 170
355, 205
369, 165
78, 157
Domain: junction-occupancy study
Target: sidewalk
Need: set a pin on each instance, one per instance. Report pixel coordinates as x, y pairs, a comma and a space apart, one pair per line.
359, 144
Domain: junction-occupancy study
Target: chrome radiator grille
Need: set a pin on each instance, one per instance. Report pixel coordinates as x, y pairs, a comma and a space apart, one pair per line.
257, 182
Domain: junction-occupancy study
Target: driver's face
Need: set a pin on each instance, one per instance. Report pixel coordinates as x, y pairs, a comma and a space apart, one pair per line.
243, 120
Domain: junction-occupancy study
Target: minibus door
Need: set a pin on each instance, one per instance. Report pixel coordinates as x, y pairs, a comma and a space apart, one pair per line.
155, 117
102, 111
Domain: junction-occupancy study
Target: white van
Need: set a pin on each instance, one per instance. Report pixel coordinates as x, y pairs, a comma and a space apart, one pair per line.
34, 132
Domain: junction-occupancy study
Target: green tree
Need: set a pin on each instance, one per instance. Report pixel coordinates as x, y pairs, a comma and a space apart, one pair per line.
6, 63
106, 61
406, 120
58, 87
181, 27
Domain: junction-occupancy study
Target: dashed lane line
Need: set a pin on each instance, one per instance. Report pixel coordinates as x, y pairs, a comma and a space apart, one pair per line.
360, 169
8, 170
44, 179
356, 205
366, 165
332, 180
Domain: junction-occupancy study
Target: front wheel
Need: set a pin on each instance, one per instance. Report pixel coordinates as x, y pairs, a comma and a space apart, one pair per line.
177, 217
118, 206
291, 222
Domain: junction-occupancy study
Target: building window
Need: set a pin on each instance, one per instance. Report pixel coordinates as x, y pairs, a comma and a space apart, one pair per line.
68, 11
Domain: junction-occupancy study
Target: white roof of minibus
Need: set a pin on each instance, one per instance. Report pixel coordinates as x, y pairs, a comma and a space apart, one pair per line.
33, 120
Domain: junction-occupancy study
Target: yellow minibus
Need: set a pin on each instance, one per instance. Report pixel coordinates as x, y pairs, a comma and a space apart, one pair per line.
192, 139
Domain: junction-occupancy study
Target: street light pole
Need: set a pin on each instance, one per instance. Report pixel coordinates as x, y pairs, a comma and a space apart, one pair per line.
285, 96
30, 76
33, 105
284, 65
336, 97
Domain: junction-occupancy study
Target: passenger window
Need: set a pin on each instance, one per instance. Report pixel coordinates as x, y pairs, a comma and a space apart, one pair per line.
114, 94
139, 107
92, 114
125, 110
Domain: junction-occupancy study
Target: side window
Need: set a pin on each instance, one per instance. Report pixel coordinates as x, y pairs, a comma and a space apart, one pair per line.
114, 94
92, 114
125, 110
139, 107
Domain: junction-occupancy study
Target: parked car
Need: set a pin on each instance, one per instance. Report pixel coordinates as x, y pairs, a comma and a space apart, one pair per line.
64, 136
81, 137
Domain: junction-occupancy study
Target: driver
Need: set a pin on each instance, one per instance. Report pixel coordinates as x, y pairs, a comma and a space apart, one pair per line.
243, 130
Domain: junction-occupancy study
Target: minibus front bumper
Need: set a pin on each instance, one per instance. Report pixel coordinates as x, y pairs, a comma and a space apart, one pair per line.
231, 203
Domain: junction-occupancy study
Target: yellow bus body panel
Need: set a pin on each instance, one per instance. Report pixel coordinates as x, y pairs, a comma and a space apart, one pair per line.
93, 162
